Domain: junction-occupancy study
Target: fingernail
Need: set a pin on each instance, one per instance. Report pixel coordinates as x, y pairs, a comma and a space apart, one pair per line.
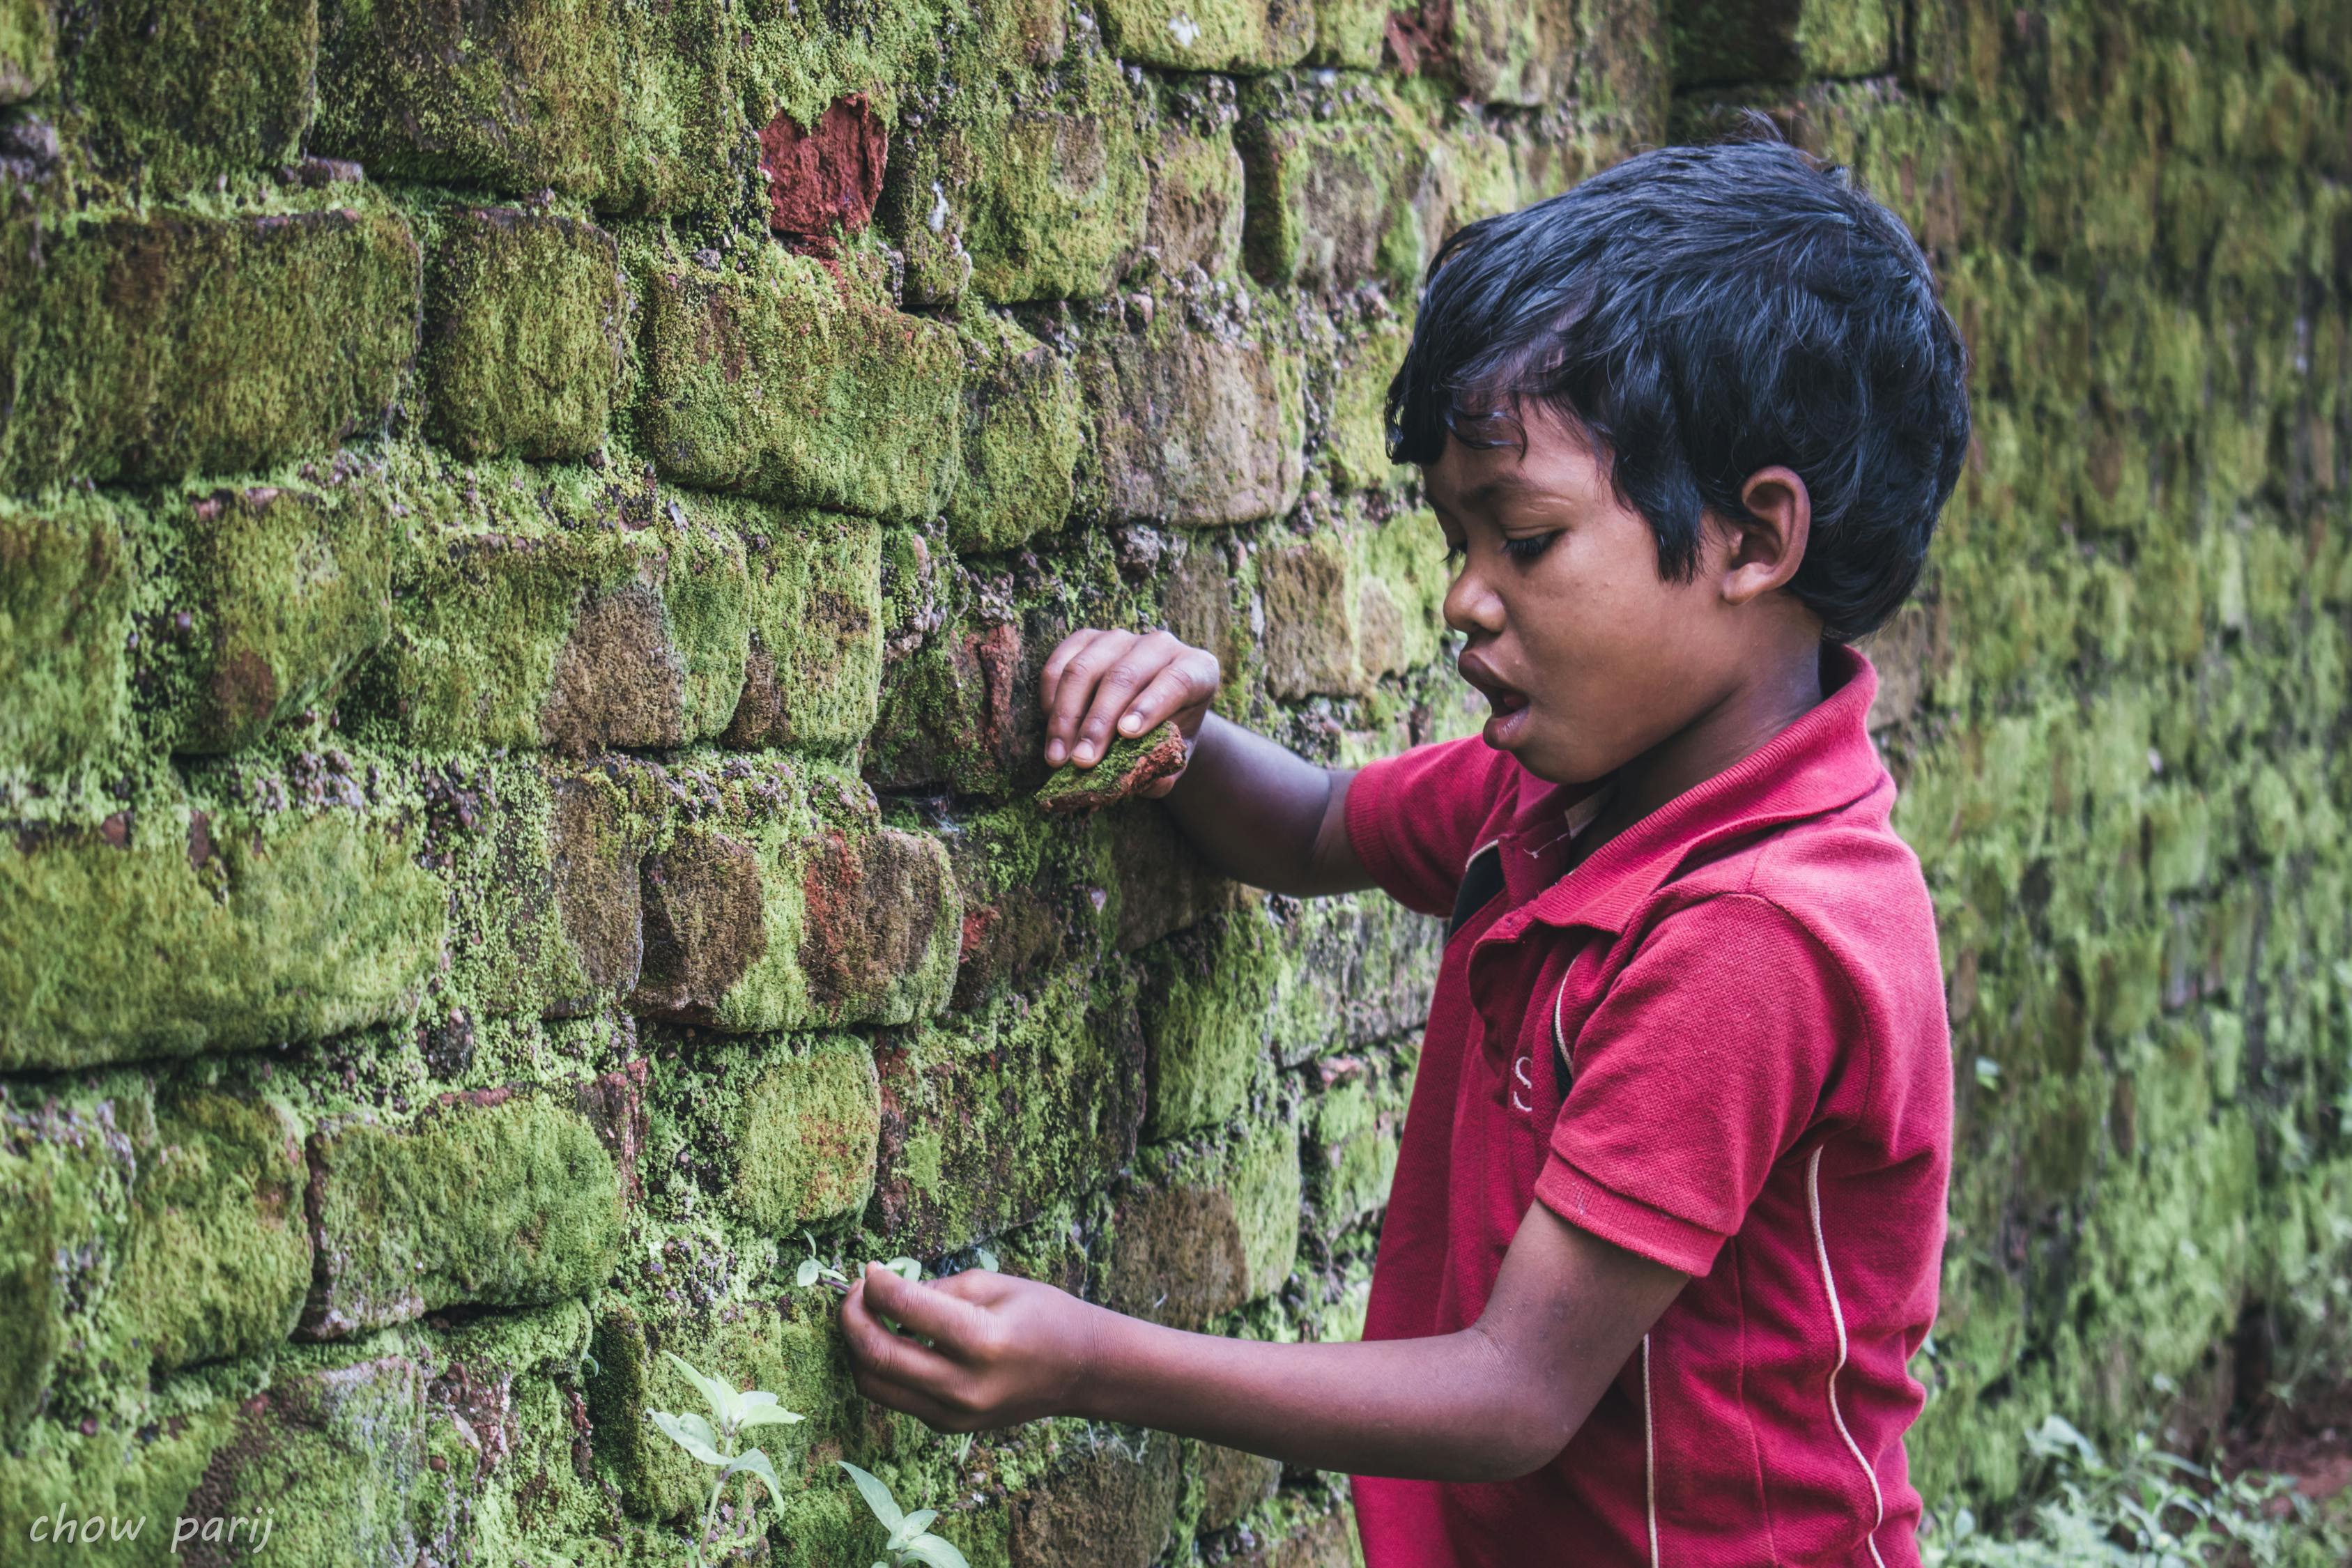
1053, 753
1131, 723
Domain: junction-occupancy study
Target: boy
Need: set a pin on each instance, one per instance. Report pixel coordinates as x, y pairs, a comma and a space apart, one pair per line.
1669, 1210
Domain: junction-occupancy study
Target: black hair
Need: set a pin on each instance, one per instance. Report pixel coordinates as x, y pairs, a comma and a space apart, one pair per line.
1700, 313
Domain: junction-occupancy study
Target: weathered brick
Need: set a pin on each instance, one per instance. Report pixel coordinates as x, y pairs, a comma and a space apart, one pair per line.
1333, 172
272, 594
784, 1126
1349, 1135
1348, 34
782, 903
28, 48
1036, 890
1194, 216
787, 382
1514, 51
1195, 429
629, 107
558, 608
812, 674
1360, 970
1230, 1483
1020, 440
502, 1197
1101, 1506
525, 318
1240, 36
204, 921
542, 860
1036, 191
1782, 40
66, 581
147, 1227
1208, 994
1343, 610
185, 88
1356, 448
148, 349
989, 1116
1206, 1229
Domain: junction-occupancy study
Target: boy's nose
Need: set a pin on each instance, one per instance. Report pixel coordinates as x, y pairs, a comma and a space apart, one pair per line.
1471, 607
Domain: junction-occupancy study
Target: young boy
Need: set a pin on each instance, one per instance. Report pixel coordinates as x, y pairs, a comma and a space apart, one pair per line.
1669, 1211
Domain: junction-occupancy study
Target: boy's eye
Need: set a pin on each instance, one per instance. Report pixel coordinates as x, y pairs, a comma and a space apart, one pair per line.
1528, 547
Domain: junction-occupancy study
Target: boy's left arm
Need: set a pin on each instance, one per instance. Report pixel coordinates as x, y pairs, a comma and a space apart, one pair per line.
1496, 1400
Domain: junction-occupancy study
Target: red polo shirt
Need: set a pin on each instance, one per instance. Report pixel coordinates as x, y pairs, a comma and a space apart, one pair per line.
1719, 1042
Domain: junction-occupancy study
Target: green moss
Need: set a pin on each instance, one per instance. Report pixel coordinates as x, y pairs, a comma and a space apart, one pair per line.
182, 91
262, 598
630, 107
28, 48
782, 904
813, 674
556, 607
1207, 1226
1207, 1004
1022, 437
1351, 1134
989, 1116
525, 322
146, 348
1239, 36
66, 580
1333, 172
205, 924
1194, 214
496, 1199
1130, 765
803, 1136
1191, 428
1030, 185
1781, 41
1357, 445
783, 382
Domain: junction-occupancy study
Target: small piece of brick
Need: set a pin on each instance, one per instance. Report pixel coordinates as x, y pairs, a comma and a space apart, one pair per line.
1127, 767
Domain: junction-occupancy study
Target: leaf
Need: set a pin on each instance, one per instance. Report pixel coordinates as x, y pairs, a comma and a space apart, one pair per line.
756, 1463
691, 1433
987, 1259
907, 1268
805, 1276
915, 1523
877, 1497
760, 1408
937, 1551
715, 1394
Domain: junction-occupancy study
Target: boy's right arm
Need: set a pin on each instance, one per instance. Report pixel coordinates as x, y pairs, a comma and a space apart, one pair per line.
1258, 812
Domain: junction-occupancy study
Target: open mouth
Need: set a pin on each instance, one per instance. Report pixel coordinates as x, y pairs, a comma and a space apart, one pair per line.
1504, 701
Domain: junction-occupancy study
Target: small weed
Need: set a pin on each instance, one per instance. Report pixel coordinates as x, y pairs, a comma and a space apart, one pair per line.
910, 1541
2146, 1509
715, 1443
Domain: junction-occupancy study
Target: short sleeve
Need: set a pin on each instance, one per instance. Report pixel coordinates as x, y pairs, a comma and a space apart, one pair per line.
1413, 820
1706, 1062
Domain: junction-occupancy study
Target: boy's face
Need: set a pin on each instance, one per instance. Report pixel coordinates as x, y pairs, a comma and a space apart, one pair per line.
1587, 656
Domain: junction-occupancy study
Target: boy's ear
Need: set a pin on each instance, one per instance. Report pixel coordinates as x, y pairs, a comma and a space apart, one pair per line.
1767, 545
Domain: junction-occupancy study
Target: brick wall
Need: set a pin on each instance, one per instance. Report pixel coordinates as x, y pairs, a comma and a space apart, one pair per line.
527, 533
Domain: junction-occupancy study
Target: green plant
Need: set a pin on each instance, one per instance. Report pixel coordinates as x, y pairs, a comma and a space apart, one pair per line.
910, 1541
814, 1268
2146, 1509
715, 1443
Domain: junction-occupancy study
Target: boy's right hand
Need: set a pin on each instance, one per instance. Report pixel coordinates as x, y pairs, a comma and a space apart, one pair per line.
1103, 684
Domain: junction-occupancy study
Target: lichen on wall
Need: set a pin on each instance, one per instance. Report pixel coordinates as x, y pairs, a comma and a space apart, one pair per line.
525, 558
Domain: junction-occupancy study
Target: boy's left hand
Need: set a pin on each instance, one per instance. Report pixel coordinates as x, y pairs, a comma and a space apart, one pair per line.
999, 1350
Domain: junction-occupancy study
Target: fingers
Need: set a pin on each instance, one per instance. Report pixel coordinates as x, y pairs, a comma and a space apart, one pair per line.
1049, 679
950, 1323
1188, 681
1124, 676
1075, 692
894, 1371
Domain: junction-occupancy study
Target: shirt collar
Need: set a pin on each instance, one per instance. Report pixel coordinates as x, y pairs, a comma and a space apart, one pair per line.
1822, 761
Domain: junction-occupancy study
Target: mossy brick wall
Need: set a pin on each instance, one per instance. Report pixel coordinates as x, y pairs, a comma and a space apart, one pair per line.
528, 534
